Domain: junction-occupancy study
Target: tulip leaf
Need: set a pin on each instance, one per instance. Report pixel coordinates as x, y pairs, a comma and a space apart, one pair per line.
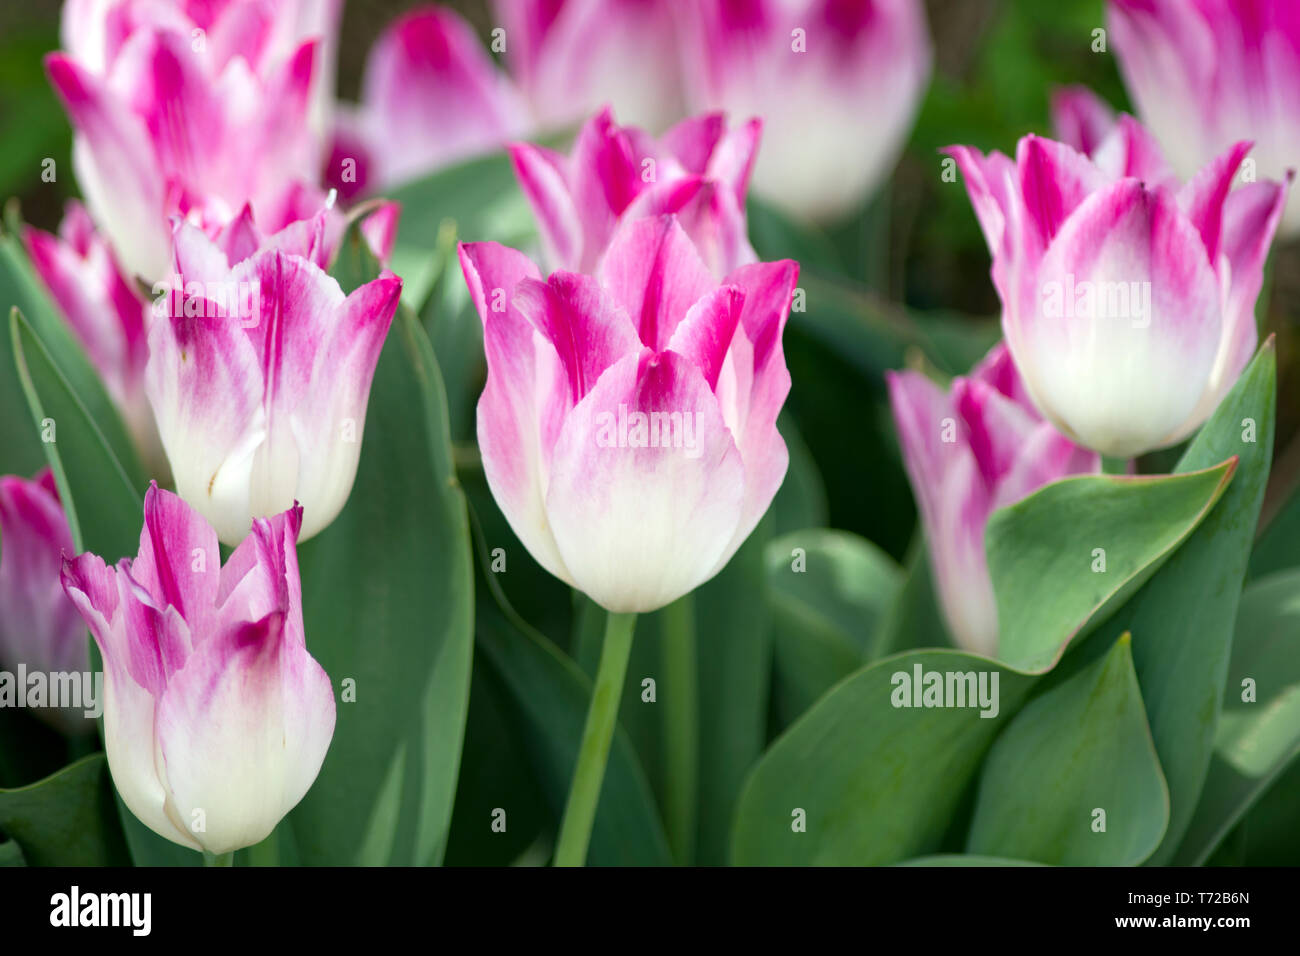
67, 819
1062, 557
11, 854
829, 592
1279, 546
1074, 779
871, 775
66, 354
1182, 620
99, 498
1258, 734
388, 612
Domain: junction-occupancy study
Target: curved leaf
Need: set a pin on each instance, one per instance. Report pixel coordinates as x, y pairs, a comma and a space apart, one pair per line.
67, 819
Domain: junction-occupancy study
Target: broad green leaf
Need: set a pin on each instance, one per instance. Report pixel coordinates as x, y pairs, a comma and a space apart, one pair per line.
1074, 779
67, 819
11, 854
829, 593
1182, 620
1046, 553
1258, 734
876, 783
388, 604
103, 506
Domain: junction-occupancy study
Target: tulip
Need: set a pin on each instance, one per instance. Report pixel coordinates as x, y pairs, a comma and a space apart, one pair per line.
972, 450
104, 310
259, 374
216, 718
570, 57
430, 96
1127, 300
1207, 74
171, 122
628, 426
40, 628
836, 84
699, 171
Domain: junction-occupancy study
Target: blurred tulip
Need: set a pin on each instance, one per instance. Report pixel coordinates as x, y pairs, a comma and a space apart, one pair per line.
977, 448
175, 120
698, 170
628, 426
106, 311
836, 82
216, 718
1127, 301
40, 628
259, 374
431, 96
1207, 74
570, 57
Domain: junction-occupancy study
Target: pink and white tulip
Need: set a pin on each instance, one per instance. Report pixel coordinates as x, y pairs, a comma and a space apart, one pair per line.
431, 96
570, 57
972, 450
104, 310
39, 627
1127, 300
628, 426
836, 84
216, 718
259, 375
698, 170
170, 122
1209, 73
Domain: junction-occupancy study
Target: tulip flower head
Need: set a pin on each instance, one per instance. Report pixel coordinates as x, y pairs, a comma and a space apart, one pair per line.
628, 425
837, 85
175, 117
1127, 300
972, 450
259, 375
1208, 73
39, 627
103, 308
698, 170
216, 719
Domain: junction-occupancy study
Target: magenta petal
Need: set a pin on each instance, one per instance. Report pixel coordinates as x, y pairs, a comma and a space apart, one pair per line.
655, 273
541, 175
179, 563
1204, 196
1081, 118
705, 334
1054, 179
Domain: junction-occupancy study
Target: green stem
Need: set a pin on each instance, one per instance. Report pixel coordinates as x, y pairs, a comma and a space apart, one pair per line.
602, 718
1114, 466
681, 726
218, 859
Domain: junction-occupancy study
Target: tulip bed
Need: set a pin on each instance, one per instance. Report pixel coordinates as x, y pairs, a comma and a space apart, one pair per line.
698, 434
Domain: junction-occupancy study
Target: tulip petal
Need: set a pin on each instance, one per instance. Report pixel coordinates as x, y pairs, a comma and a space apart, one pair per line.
1120, 363
605, 483
541, 175
655, 273
1081, 118
509, 414
242, 732
179, 562
705, 334
1053, 179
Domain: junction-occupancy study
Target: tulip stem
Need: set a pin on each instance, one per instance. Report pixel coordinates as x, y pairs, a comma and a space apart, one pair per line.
1114, 466
681, 726
218, 859
597, 734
